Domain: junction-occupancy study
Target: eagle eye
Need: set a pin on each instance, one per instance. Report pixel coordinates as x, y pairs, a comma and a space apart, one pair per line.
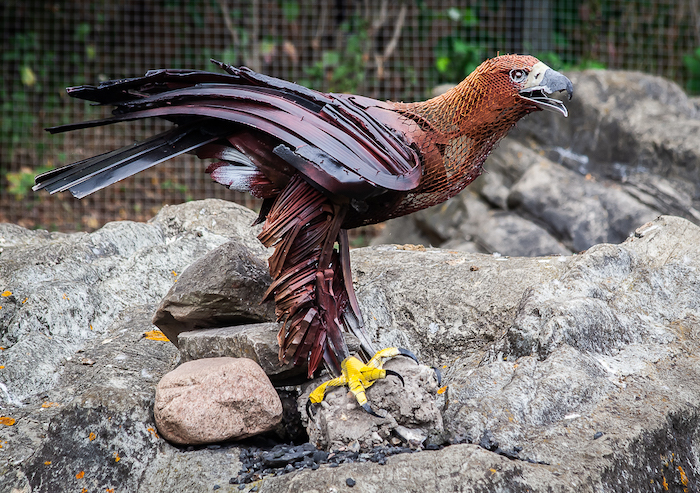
518, 75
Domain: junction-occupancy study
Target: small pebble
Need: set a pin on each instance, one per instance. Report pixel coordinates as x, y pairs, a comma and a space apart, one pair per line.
597, 435
216, 486
350, 482
241, 487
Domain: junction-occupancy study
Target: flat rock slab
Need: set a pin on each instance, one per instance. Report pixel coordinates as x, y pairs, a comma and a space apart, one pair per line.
215, 399
255, 341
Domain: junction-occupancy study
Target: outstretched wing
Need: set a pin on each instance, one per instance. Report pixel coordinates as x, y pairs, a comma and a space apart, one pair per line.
330, 140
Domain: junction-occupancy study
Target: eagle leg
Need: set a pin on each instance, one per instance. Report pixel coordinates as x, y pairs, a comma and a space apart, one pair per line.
309, 287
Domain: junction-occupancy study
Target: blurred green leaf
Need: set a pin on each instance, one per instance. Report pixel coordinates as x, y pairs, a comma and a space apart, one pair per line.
82, 31
27, 76
291, 10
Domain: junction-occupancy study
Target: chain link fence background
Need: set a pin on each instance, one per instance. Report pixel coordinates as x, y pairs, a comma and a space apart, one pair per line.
383, 49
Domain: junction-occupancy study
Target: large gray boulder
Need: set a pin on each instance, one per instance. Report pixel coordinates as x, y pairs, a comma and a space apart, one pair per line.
562, 373
627, 153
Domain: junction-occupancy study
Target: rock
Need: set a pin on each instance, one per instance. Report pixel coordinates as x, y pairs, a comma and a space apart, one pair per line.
225, 287
68, 289
257, 342
580, 211
442, 304
563, 373
411, 411
215, 399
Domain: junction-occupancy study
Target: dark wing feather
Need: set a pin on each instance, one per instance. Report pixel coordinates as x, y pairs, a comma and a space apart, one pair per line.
87, 176
332, 143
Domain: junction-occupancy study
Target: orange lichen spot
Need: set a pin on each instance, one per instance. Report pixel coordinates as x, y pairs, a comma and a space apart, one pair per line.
92, 436
49, 404
684, 478
47, 463
2, 367
116, 457
665, 484
80, 475
65, 296
152, 431
91, 327
110, 490
6, 293
84, 490
155, 335
493, 471
7, 421
442, 390
25, 300
174, 273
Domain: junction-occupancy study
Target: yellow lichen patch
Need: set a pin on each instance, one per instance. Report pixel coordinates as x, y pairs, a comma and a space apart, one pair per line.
47, 463
25, 300
116, 457
110, 490
49, 404
442, 390
92, 436
91, 327
6, 293
7, 421
155, 335
493, 471
2, 367
84, 490
65, 296
152, 431
665, 484
684, 478
411, 248
80, 475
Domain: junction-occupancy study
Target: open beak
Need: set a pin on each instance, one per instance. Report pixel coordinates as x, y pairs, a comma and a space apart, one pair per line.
541, 83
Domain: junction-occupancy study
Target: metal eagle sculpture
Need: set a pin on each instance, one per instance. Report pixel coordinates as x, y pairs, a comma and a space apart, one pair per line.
323, 164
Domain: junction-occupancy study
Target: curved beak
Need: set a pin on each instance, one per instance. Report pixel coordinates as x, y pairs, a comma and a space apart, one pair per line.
543, 82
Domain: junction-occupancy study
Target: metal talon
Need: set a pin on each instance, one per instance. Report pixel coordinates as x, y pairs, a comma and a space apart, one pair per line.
397, 375
311, 415
406, 352
368, 409
438, 375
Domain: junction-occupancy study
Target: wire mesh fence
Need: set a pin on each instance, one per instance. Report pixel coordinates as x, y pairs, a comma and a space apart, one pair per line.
387, 50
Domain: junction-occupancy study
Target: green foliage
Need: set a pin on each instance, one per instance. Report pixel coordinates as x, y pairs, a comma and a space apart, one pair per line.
291, 10
692, 65
21, 182
341, 70
454, 57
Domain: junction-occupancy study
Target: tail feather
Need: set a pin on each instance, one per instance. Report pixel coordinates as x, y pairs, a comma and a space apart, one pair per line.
87, 176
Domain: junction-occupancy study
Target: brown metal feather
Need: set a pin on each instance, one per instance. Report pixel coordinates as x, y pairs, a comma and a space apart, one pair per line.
303, 226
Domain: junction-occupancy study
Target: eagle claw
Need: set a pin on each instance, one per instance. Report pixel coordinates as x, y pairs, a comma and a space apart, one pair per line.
358, 377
